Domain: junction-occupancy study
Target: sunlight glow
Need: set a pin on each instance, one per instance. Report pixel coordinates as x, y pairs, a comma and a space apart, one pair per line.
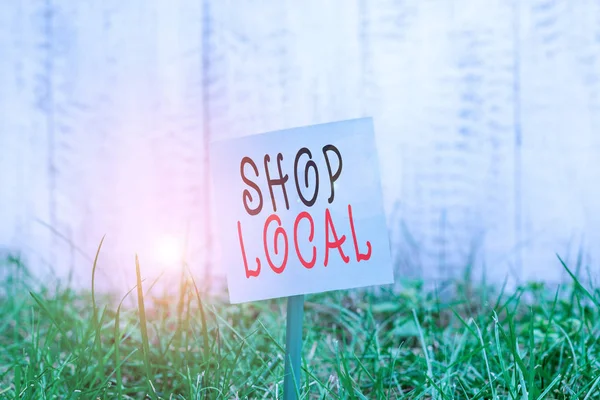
169, 250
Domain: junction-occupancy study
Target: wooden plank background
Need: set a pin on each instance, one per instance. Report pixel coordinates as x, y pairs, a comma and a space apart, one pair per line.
487, 119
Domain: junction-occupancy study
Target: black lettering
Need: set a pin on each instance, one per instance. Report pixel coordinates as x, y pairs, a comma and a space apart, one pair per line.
279, 181
336, 175
247, 196
309, 164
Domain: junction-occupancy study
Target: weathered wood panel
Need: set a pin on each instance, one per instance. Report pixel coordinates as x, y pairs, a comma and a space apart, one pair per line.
487, 117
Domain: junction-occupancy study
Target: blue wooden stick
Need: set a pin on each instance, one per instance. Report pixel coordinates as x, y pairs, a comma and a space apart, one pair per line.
293, 347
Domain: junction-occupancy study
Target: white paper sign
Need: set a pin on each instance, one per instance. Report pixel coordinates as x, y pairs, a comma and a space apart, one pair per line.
300, 211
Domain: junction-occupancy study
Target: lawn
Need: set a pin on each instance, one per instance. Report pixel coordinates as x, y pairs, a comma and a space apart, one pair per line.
460, 341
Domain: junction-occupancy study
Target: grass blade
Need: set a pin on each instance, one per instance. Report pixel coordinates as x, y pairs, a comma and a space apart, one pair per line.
117, 340
591, 391
487, 364
206, 348
578, 284
143, 326
550, 387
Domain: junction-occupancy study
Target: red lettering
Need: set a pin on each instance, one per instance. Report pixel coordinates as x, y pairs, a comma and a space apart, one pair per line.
359, 256
249, 272
337, 243
278, 231
300, 216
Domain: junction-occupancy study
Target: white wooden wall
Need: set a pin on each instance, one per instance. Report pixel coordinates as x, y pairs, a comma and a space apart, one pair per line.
487, 116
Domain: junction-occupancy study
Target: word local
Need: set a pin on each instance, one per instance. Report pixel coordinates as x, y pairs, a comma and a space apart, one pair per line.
332, 240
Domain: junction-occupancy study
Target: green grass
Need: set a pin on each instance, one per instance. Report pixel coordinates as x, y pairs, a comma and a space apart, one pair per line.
532, 343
